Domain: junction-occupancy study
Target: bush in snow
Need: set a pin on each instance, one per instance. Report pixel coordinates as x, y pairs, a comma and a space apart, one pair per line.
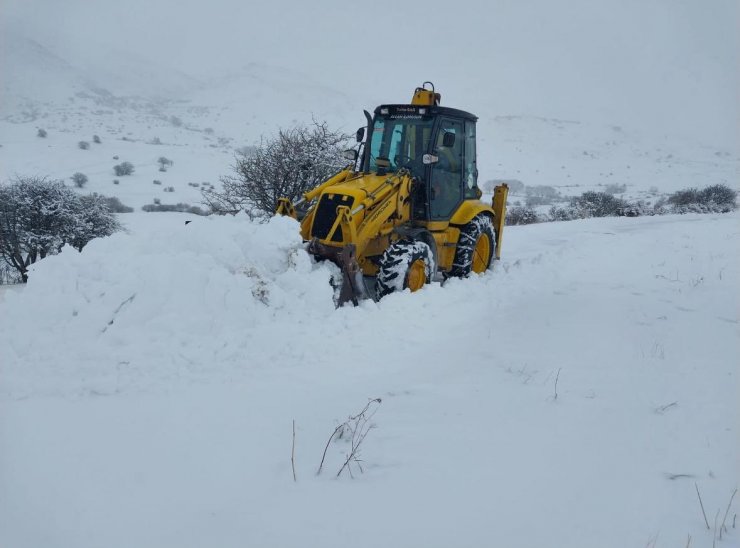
169, 189
38, 216
180, 208
155, 141
116, 181
156, 182
96, 139
115, 206
638, 209
8, 275
566, 213
293, 162
93, 219
597, 204
124, 168
521, 215
79, 179
541, 195
712, 199
41, 133
164, 163
83, 145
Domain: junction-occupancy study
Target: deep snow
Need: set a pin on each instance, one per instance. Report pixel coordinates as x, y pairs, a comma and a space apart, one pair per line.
148, 386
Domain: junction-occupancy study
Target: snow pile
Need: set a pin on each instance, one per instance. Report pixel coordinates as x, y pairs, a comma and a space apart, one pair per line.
571, 397
185, 295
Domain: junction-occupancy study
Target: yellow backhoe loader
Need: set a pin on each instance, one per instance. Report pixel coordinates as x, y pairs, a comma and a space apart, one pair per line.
407, 210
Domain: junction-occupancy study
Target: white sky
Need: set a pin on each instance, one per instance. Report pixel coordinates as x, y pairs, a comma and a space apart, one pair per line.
670, 66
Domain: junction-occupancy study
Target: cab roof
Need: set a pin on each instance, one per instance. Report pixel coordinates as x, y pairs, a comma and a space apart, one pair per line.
423, 111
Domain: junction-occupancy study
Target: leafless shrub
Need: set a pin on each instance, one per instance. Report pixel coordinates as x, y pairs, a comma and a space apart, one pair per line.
79, 179
355, 429
541, 195
521, 215
159, 207
164, 163
116, 206
703, 513
712, 199
292, 453
124, 168
296, 160
39, 216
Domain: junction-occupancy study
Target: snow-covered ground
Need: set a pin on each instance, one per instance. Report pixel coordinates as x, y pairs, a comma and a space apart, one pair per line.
576, 396
571, 397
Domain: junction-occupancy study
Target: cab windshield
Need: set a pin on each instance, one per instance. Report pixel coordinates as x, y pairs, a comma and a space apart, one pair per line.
402, 141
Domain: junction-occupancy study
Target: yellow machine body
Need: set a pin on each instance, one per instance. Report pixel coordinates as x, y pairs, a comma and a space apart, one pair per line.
354, 216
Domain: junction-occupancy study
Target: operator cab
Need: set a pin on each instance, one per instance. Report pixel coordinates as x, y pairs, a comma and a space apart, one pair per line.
436, 144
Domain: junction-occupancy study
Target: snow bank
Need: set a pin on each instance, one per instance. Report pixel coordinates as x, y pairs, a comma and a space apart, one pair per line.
185, 296
172, 426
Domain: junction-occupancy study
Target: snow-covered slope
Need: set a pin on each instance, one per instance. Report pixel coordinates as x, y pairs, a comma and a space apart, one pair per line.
201, 124
571, 397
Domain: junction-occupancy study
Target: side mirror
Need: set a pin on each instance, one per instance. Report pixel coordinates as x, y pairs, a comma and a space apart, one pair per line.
350, 154
448, 139
429, 159
360, 134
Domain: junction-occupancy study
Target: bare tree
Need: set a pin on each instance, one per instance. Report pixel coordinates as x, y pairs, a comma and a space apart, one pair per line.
124, 168
79, 179
164, 163
293, 162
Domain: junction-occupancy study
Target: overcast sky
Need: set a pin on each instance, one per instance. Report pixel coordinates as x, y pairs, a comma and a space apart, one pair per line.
670, 66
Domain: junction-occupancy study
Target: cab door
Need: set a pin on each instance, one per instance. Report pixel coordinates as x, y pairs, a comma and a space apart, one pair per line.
446, 180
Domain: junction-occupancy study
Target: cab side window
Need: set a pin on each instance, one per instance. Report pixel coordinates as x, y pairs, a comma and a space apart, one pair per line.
470, 175
447, 173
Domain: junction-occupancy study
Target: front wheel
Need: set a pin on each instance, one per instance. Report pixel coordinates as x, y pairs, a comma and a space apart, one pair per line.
475, 247
406, 264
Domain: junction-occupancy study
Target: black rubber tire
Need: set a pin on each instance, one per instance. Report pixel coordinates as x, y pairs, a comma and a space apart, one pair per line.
393, 267
469, 235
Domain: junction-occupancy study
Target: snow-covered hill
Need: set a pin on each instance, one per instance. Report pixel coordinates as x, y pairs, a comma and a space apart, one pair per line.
571, 397
201, 124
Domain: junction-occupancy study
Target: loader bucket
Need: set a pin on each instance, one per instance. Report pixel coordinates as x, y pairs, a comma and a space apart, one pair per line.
353, 287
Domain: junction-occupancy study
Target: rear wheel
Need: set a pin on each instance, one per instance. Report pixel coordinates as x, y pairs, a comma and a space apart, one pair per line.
406, 264
475, 247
